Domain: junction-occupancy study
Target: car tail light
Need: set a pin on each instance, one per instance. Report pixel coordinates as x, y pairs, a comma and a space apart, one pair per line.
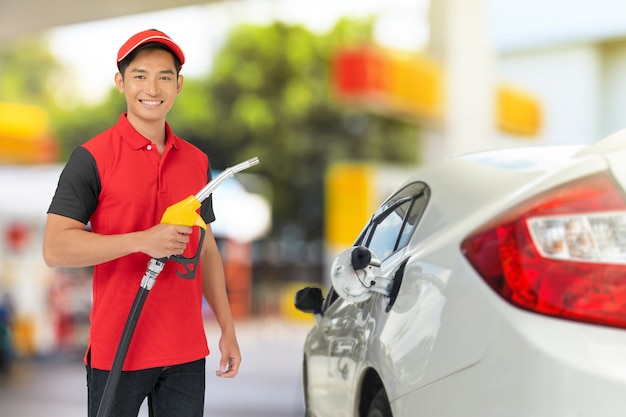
561, 253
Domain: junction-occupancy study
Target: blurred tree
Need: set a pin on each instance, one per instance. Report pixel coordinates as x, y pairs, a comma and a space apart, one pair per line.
28, 72
74, 125
268, 95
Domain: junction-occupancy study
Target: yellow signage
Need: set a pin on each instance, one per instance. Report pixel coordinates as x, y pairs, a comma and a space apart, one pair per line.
25, 134
349, 201
411, 85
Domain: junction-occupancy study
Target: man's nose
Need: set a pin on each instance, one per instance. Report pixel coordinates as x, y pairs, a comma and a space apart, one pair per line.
152, 87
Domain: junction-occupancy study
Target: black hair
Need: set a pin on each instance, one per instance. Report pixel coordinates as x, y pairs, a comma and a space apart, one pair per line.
124, 63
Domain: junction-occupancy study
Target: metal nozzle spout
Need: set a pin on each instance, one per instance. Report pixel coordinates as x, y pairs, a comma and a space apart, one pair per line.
228, 172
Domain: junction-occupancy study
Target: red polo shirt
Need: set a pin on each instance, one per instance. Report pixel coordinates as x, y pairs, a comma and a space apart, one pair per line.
119, 183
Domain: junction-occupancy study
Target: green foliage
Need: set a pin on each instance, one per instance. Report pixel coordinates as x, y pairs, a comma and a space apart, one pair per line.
28, 72
270, 89
74, 126
193, 112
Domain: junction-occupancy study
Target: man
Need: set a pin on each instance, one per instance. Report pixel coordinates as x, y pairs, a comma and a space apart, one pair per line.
119, 183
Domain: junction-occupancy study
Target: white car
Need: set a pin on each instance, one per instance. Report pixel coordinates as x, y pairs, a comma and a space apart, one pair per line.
488, 285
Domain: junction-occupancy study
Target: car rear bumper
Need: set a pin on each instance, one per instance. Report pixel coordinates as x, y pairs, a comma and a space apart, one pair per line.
534, 366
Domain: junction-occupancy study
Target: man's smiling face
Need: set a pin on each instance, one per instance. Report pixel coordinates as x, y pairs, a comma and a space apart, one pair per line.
150, 85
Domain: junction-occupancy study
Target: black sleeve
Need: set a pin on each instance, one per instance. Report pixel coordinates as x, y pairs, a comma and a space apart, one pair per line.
206, 209
78, 189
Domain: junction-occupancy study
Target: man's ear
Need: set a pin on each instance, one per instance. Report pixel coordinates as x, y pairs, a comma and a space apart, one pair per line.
179, 85
119, 82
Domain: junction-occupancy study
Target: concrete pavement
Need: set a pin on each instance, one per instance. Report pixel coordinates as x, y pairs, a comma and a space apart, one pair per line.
268, 384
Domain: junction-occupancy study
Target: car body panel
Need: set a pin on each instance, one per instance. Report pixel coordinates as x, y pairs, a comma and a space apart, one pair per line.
449, 346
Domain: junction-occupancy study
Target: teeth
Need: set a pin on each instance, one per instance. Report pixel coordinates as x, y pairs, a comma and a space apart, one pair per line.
151, 102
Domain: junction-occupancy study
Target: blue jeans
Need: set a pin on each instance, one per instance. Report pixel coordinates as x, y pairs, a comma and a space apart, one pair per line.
172, 391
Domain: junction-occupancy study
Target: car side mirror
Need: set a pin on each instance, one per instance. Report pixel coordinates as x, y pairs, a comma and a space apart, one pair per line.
309, 300
355, 275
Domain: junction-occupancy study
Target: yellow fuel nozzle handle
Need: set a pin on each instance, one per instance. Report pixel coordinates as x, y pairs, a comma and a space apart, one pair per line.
184, 213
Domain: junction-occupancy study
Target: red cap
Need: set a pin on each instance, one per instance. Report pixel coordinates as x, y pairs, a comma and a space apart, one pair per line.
151, 35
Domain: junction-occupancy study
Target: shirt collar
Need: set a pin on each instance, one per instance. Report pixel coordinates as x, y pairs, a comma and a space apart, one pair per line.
136, 140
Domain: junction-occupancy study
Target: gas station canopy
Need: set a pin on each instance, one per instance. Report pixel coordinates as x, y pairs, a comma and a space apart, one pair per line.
18, 18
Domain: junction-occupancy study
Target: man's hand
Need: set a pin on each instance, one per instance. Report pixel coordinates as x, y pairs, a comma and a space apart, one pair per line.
231, 357
163, 240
